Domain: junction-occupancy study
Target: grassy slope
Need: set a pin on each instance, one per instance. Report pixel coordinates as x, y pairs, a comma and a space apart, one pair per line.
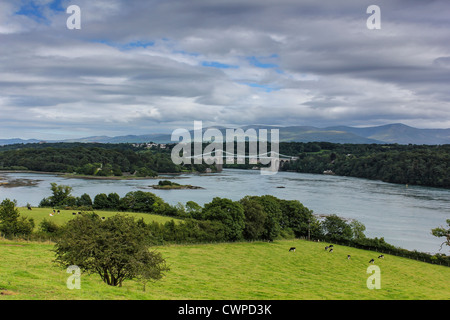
255, 270
39, 214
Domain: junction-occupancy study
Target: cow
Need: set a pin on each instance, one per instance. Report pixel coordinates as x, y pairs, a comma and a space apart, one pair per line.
372, 261
331, 250
331, 246
381, 257
326, 248
74, 213
29, 207
292, 249
348, 257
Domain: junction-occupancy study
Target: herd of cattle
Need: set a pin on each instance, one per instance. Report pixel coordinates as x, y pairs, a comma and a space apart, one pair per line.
330, 247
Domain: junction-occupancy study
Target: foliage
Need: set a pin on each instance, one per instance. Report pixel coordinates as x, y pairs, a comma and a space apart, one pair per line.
92, 159
443, 232
255, 217
230, 213
167, 183
11, 223
405, 164
49, 228
61, 197
116, 249
336, 228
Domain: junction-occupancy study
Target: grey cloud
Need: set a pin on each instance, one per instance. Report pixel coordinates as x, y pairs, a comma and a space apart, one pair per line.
330, 68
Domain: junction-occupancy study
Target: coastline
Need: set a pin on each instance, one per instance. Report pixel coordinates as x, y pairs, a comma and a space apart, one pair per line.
88, 177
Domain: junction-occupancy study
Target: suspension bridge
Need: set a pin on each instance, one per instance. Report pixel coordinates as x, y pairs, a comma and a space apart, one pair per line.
217, 156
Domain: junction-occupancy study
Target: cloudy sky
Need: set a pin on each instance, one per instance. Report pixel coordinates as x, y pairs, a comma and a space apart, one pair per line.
138, 67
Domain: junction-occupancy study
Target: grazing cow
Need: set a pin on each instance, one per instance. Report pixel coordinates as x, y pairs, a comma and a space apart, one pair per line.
330, 246
292, 249
74, 213
79, 212
29, 208
381, 257
372, 261
326, 248
331, 250
348, 257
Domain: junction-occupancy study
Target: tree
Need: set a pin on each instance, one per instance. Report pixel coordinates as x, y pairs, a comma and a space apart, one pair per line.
49, 228
296, 216
272, 208
61, 196
84, 200
140, 201
230, 213
335, 227
11, 223
101, 201
255, 218
194, 210
116, 249
357, 230
114, 200
442, 232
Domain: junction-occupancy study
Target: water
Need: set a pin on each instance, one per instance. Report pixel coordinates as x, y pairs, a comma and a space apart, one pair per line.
404, 216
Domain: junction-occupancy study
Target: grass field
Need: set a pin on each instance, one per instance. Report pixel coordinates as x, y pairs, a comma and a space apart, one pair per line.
242, 271
39, 214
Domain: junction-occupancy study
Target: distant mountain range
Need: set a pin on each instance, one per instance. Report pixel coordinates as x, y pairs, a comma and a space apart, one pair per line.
386, 134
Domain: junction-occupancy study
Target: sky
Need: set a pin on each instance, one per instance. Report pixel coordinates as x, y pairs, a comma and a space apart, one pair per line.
140, 67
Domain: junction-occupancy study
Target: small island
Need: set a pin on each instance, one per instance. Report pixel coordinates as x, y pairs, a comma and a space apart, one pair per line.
169, 185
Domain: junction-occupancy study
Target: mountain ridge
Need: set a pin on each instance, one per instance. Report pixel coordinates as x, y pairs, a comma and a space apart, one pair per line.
383, 134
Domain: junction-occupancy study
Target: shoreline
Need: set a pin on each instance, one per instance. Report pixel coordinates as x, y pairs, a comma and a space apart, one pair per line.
179, 187
88, 177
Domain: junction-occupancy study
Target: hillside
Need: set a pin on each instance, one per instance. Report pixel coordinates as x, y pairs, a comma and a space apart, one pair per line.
235, 271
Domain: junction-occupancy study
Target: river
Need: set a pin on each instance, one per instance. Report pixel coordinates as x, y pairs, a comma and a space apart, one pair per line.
403, 215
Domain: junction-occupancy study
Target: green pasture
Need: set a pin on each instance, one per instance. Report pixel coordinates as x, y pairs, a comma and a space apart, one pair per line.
244, 270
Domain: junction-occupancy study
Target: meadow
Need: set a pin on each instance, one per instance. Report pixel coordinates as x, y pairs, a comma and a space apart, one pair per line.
39, 214
238, 271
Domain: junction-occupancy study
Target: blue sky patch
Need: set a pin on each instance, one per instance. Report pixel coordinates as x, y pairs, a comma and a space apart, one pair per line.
31, 10
215, 64
264, 87
35, 11
126, 46
256, 62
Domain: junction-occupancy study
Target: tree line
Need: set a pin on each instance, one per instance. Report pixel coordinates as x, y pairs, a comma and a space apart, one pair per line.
425, 165
251, 218
92, 159
403, 164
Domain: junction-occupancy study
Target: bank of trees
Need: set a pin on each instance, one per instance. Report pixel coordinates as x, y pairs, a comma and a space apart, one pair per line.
251, 218
92, 159
404, 164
